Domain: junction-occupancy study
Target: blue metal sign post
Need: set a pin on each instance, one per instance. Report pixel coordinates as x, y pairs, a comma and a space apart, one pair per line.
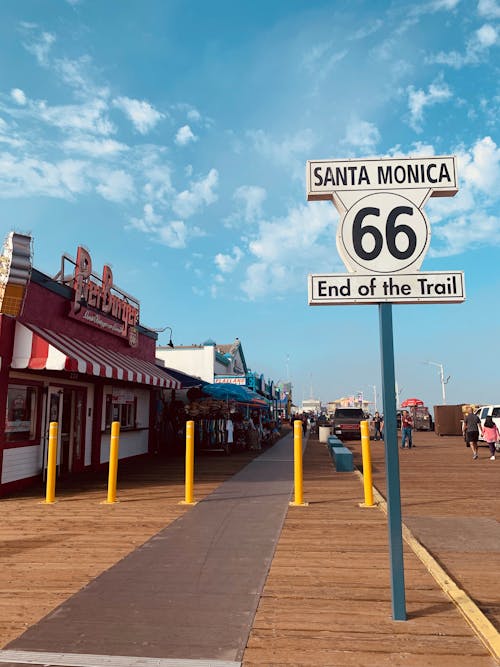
392, 463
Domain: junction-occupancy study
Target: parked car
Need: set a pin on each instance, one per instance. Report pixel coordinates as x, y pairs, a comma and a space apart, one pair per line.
345, 422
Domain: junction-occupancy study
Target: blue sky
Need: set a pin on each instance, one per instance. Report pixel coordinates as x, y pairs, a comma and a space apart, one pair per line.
170, 138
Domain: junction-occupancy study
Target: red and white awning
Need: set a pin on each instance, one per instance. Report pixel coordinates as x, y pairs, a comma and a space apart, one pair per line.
41, 349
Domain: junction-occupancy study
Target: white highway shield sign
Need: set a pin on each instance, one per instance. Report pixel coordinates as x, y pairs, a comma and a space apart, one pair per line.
355, 288
383, 232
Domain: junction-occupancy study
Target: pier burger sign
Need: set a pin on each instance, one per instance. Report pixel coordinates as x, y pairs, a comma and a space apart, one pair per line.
383, 235
99, 303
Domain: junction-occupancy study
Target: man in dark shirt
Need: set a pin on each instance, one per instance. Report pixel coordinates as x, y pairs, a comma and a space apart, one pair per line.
472, 427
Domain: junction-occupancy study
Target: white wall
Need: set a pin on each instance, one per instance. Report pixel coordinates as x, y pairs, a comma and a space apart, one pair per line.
132, 443
197, 361
20, 463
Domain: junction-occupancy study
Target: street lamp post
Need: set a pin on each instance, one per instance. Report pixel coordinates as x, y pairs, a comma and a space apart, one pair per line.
441, 378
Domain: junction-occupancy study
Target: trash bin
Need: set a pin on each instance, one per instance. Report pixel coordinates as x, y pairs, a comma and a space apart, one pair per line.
324, 432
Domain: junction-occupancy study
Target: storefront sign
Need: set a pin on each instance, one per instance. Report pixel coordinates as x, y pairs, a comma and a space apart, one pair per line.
99, 303
230, 379
15, 272
122, 397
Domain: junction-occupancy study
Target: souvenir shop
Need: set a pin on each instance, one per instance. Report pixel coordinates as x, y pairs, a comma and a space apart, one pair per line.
72, 350
229, 417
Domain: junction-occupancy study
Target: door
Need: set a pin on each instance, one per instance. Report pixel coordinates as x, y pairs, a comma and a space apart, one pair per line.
66, 406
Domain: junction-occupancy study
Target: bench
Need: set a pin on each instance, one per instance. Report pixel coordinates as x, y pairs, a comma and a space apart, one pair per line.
341, 456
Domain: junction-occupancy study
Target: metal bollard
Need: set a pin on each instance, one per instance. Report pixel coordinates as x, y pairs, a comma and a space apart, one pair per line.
367, 465
189, 474
114, 444
297, 464
50, 491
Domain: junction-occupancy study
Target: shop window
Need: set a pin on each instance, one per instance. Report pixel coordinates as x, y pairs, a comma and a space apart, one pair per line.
121, 408
20, 420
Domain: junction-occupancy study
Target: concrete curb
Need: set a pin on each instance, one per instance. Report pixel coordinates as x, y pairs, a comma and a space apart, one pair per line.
481, 626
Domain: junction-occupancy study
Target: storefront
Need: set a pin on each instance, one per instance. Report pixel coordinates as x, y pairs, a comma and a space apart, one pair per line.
74, 352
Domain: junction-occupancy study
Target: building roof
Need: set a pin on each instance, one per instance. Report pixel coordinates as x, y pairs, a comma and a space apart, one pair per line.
187, 381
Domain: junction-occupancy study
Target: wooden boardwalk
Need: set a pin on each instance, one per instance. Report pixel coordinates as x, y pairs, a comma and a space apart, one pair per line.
327, 598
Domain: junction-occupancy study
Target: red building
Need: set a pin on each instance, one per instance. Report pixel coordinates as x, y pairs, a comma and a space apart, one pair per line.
72, 351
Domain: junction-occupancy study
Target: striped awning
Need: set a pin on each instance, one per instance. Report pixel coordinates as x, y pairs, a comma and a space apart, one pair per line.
41, 349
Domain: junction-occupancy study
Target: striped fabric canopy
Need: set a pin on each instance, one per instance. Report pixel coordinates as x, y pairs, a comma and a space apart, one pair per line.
41, 349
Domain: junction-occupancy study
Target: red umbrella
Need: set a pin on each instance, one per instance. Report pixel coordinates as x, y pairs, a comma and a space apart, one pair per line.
411, 403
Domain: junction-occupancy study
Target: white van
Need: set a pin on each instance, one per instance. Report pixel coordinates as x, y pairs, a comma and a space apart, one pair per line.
491, 410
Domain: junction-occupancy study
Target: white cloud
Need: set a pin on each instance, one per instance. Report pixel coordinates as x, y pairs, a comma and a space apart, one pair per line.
73, 175
115, 185
95, 147
8, 136
476, 50
466, 219
194, 115
291, 152
362, 135
89, 117
419, 100
480, 167
39, 46
437, 5
465, 233
18, 96
75, 74
486, 36
367, 29
28, 177
321, 58
286, 249
185, 136
490, 9
250, 198
227, 263
142, 114
201, 193
174, 234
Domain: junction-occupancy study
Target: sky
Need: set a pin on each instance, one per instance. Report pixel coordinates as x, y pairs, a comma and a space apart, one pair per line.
171, 139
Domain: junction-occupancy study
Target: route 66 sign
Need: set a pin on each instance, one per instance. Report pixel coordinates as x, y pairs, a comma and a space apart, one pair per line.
383, 228
383, 233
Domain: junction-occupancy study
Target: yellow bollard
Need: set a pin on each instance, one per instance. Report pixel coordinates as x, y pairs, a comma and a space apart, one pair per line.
367, 465
114, 444
189, 475
50, 492
297, 464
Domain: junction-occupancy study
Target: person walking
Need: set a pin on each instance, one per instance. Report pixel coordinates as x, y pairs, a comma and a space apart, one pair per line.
472, 427
406, 430
491, 435
377, 424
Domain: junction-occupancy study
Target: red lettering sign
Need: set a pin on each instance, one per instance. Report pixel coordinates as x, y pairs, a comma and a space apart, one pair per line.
99, 304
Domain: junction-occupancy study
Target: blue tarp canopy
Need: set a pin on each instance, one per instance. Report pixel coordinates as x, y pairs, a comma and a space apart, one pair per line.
234, 392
